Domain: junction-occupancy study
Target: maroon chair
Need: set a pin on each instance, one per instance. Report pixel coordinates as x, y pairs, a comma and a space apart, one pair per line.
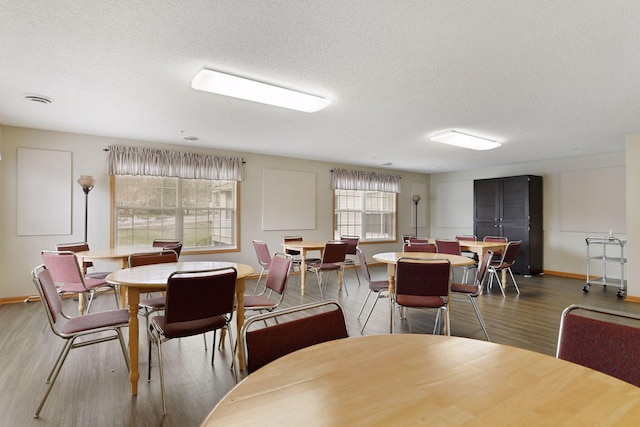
378, 287
264, 259
418, 240
451, 247
605, 340
106, 324
508, 259
497, 254
322, 321
333, 257
422, 283
352, 243
419, 247
468, 293
172, 244
86, 265
197, 302
65, 270
276, 283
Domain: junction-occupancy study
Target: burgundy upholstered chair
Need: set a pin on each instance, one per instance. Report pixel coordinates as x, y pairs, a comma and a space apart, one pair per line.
107, 325
86, 265
333, 257
378, 287
605, 340
422, 283
322, 321
420, 247
352, 243
264, 259
197, 302
508, 259
468, 293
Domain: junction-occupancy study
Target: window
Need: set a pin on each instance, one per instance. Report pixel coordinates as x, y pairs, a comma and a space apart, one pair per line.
368, 214
201, 213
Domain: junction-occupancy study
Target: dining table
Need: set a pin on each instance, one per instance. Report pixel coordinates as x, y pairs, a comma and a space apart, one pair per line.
119, 255
418, 379
153, 278
304, 247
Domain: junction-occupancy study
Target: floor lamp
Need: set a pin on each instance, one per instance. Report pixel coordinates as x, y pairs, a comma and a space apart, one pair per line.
86, 182
416, 200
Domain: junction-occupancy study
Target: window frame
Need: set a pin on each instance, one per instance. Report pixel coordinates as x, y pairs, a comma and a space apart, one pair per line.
191, 250
363, 212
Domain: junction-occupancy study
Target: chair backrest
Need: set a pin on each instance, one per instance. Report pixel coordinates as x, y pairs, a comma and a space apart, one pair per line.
498, 239
48, 292
148, 258
262, 252
321, 322
482, 268
511, 252
363, 265
406, 237
352, 243
63, 266
601, 341
75, 247
173, 244
278, 273
194, 296
467, 237
423, 277
177, 248
419, 247
448, 246
334, 251
418, 240
287, 239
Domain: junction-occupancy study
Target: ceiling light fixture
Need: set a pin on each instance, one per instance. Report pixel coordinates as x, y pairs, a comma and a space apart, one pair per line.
463, 140
251, 90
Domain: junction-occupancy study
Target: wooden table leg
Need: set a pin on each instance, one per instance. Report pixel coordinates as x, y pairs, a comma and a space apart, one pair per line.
134, 335
391, 271
303, 270
81, 304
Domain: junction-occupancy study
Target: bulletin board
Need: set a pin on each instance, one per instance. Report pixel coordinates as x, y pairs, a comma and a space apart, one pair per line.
288, 200
593, 200
454, 202
43, 192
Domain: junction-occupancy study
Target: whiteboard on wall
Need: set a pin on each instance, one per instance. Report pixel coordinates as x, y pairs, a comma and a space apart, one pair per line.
44, 190
454, 204
288, 200
593, 200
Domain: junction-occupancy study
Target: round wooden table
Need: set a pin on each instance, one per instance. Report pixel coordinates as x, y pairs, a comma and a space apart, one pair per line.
406, 380
306, 246
149, 278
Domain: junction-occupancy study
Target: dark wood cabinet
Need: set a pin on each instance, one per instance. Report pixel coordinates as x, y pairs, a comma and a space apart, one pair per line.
512, 207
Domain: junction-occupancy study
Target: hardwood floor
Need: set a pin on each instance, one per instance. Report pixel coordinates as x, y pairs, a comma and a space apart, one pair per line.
93, 387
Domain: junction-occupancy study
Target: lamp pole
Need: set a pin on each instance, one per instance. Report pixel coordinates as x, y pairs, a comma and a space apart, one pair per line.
416, 200
86, 182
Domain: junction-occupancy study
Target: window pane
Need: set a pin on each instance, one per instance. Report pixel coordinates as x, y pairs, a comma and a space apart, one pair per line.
201, 213
370, 215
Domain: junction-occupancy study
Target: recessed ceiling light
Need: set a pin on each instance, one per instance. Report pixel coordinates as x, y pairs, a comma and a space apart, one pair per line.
463, 140
38, 98
251, 90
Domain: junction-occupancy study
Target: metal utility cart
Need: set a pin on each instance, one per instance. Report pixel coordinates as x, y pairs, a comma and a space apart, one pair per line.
606, 250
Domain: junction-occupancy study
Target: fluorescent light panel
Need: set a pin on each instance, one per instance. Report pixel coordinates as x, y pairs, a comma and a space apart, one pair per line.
463, 140
251, 90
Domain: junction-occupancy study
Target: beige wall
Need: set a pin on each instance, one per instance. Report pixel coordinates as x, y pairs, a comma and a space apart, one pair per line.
633, 212
22, 253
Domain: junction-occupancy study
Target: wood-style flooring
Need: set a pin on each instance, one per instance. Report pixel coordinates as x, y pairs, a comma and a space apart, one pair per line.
93, 387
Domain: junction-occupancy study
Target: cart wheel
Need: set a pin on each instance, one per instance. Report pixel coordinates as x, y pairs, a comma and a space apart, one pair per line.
620, 294
586, 288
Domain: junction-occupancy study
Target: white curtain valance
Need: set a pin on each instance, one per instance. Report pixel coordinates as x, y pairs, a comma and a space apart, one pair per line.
342, 179
152, 162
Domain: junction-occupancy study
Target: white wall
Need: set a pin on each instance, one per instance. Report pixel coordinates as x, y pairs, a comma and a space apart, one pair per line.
563, 251
633, 211
22, 253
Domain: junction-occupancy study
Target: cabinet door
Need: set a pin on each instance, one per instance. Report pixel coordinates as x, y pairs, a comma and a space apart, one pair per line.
482, 229
515, 199
519, 232
486, 196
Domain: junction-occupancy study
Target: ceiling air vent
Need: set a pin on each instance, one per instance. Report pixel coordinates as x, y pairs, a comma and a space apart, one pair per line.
191, 138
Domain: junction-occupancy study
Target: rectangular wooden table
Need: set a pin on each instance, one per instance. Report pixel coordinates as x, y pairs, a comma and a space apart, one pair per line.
150, 278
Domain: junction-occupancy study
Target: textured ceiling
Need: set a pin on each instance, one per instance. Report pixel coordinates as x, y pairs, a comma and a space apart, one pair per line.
547, 79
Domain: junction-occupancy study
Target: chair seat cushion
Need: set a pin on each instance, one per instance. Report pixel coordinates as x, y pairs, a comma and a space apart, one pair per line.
97, 274
74, 288
251, 301
379, 285
193, 327
324, 267
96, 320
463, 289
420, 301
153, 303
